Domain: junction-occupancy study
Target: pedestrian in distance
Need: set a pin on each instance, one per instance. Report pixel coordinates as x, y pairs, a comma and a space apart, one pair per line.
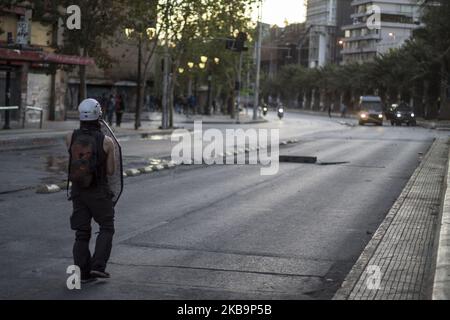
111, 109
343, 110
91, 162
329, 110
120, 109
104, 103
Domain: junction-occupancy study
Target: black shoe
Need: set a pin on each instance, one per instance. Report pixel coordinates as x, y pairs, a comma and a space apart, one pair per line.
100, 274
88, 279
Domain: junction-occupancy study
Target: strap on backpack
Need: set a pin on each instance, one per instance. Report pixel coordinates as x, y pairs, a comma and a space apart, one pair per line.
68, 171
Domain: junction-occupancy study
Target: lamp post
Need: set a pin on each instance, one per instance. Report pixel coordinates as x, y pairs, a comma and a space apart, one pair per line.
130, 33
208, 64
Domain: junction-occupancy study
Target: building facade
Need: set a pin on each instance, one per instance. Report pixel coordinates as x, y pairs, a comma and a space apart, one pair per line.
282, 46
31, 73
378, 26
324, 20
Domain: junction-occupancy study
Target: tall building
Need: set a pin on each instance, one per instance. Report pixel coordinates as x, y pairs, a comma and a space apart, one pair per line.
324, 20
281, 47
378, 26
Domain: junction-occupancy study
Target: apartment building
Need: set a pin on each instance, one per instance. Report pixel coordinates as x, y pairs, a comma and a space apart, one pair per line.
324, 20
378, 26
31, 72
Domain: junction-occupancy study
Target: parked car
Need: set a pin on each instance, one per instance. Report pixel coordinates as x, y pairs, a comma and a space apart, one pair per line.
401, 113
370, 110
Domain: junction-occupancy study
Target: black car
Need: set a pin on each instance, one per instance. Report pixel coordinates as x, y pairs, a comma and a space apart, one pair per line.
401, 113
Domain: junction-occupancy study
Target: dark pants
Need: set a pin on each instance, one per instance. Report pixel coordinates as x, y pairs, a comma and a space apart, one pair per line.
110, 116
118, 118
87, 204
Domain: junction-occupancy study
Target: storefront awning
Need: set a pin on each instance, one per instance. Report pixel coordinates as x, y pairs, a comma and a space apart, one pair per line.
15, 55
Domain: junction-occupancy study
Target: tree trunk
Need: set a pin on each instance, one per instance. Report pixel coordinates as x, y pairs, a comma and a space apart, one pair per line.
231, 108
82, 92
172, 80
137, 120
444, 113
417, 97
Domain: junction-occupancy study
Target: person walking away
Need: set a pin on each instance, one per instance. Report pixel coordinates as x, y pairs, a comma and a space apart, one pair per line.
343, 110
120, 109
111, 108
91, 161
104, 103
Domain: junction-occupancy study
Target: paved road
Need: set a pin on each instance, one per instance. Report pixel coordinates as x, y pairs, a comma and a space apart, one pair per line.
27, 168
226, 231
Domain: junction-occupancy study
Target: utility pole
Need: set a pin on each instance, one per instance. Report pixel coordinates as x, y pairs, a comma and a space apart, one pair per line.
258, 64
165, 97
7, 97
239, 85
137, 120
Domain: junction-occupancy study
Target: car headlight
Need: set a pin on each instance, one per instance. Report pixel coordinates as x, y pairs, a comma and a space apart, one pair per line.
280, 110
412, 115
380, 116
399, 115
363, 115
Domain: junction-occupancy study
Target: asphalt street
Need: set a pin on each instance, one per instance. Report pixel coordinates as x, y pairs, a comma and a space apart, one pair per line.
222, 231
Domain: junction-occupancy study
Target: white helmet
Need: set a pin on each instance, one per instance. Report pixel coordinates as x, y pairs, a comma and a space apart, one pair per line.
89, 110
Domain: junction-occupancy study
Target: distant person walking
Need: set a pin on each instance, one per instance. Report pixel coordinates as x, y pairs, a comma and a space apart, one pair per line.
192, 103
120, 109
111, 109
343, 110
104, 103
329, 110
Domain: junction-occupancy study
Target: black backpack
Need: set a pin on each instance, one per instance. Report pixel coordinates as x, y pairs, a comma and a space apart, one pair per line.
84, 158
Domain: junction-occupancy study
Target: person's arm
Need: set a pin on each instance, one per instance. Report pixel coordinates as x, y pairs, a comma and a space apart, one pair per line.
108, 146
68, 139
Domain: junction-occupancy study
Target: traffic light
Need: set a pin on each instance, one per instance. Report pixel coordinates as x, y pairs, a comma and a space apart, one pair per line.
240, 42
230, 43
237, 44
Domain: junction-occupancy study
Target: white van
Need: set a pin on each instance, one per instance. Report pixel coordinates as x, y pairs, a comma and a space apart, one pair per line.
370, 110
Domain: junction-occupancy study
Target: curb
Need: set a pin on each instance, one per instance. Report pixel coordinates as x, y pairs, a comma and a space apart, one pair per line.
358, 268
441, 282
228, 122
154, 166
48, 138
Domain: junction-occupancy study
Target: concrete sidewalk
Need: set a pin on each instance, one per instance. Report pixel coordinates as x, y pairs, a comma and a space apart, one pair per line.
441, 285
54, 131
399, 261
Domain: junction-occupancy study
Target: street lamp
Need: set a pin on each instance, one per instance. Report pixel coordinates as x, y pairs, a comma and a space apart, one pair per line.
151, 32
202, 65
181, 70
216, 60
203, 59
140, 34
128, 32
190, 65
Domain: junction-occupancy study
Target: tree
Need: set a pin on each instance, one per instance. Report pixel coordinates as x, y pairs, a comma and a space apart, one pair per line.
140, 24
191, 28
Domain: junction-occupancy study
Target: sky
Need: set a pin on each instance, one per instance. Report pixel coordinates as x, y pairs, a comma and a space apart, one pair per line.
277, 11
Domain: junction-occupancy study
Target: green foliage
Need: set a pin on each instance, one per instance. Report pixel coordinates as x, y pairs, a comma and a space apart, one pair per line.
425, 58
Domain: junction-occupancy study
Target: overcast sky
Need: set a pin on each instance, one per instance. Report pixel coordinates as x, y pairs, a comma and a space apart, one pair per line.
277, 11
